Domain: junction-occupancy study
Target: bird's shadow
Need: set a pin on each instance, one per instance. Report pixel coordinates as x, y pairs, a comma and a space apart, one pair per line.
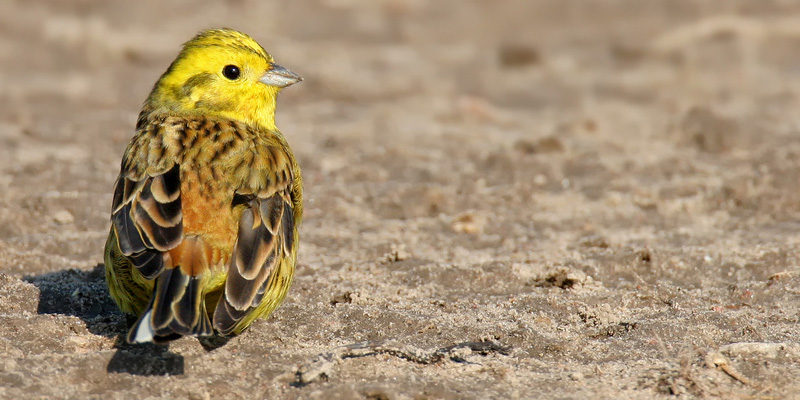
84, 294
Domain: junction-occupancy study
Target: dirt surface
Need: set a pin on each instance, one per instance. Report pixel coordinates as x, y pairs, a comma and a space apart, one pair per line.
508, 199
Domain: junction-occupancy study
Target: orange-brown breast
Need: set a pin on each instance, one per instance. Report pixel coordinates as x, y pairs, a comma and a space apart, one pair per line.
210, 224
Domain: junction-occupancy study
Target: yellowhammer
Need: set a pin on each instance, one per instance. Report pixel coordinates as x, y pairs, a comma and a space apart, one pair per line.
209, 196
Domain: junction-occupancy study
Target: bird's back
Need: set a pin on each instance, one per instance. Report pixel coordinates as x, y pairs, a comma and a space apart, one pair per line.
229, 175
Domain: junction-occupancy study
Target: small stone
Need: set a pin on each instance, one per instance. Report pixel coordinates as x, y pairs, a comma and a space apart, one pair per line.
576, 376
469, 223
544, 145
63, 217
398, 252
516, 55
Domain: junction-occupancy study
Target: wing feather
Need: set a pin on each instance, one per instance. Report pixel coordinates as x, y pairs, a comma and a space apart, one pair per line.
262, 236
148, 219
287, 229
255, 243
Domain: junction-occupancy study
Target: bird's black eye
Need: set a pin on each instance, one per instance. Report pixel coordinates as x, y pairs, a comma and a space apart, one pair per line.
231, 72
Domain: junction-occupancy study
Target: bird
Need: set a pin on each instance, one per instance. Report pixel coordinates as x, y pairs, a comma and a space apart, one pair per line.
209, 198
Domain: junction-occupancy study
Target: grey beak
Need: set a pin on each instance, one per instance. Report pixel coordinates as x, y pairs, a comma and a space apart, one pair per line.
280, 77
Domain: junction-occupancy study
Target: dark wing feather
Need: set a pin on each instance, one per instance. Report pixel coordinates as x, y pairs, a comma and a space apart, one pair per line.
287, 230
147, 218
257, 243
148, 262
263, 232
272, 211
128, 237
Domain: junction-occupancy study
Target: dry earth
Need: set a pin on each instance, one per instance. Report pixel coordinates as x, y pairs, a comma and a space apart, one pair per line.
508, 199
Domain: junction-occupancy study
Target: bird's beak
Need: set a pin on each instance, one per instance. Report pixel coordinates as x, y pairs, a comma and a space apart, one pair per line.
280, 77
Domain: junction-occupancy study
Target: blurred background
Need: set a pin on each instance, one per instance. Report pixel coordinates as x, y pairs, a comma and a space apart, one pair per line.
598, 184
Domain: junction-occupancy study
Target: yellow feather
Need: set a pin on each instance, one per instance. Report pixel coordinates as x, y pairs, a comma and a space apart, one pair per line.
194, 82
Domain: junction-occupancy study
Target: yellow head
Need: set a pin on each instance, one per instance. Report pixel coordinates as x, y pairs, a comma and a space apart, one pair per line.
224, 73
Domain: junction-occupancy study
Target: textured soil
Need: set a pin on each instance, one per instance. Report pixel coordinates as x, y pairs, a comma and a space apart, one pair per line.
508, 199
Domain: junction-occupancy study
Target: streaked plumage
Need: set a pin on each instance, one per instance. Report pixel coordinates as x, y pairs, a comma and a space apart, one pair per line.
209, 197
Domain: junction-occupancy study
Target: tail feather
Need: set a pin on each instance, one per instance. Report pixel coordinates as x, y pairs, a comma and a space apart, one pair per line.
186, 310
176, 309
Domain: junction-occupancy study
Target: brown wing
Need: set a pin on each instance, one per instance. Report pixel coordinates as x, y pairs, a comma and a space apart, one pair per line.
147, 218
148, 221
266, 235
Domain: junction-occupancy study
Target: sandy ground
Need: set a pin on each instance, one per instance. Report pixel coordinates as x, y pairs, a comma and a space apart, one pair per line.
509, 199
